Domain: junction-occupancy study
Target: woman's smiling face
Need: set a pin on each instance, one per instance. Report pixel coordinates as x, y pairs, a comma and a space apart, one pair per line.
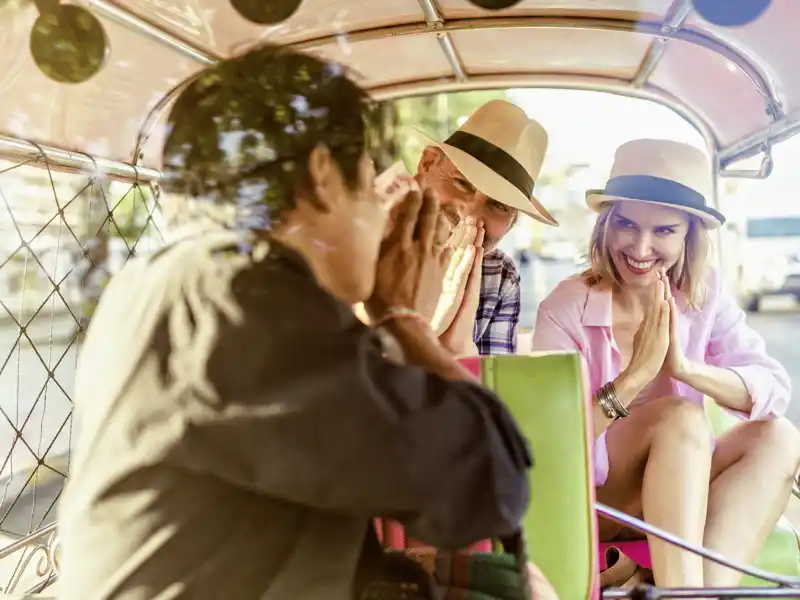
644, 237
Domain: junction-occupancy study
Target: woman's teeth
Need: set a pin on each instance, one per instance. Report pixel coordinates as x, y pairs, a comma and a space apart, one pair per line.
640, 265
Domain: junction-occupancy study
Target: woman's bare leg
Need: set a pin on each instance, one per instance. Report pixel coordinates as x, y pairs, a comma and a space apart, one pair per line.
752, 472
660, 467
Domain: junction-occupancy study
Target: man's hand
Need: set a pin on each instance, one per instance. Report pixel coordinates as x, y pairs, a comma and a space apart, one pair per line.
456, 278
458, 337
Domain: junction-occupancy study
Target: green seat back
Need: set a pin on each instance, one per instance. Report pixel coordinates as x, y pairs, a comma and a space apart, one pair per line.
545, 392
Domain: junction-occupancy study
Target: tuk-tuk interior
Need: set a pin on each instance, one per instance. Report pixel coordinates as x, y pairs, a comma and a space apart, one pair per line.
95, 112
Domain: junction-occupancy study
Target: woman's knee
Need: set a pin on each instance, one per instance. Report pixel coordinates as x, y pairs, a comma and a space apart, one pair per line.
684, 422
780, 440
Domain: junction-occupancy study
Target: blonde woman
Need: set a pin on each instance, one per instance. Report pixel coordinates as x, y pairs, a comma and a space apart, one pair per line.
658, 332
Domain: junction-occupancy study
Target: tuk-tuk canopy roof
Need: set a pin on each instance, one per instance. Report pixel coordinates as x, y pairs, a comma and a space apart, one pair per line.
739, 86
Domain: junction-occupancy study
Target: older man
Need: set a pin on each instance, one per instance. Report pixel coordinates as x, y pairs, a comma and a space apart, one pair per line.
484, 175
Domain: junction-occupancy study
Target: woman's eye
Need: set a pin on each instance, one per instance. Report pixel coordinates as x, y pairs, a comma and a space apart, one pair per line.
665, 231
625, 224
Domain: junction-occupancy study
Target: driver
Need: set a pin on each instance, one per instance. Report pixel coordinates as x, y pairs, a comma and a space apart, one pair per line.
244, 434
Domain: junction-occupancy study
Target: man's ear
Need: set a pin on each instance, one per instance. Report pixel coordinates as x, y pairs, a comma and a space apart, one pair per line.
430, 156
324, 177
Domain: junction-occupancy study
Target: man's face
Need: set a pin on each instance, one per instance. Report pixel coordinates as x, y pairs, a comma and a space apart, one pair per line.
459, 198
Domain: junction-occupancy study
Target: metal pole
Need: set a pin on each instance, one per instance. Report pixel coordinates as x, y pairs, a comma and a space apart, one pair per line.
639, 525
136, 24
698, 38
654, 593
550, 80
72, 162
434, 20
675, 18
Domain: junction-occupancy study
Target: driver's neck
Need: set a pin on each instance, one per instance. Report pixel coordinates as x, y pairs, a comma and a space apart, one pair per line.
314, 242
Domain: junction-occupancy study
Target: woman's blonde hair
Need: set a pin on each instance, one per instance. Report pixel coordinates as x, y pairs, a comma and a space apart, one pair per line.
688, 275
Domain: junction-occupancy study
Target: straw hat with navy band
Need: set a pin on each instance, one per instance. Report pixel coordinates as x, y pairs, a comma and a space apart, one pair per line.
662, 172
500, 151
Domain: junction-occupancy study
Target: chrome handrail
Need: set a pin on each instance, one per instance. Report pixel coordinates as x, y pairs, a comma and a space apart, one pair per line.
641, 526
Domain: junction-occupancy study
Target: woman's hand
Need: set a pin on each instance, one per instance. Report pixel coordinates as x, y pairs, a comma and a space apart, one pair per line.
412, 262
675, 362
652, 340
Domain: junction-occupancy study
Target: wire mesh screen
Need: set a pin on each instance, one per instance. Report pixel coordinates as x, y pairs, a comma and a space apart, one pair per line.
62, 236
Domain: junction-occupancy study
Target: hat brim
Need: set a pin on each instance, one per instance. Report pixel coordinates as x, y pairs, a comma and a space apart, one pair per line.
712, 219
489, 182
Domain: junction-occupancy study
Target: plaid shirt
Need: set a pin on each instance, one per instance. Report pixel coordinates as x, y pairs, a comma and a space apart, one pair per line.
498, 311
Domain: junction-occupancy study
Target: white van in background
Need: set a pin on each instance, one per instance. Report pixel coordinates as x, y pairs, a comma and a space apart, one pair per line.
769, 259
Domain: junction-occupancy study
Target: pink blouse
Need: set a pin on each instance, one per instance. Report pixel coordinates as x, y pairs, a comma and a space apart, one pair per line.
578, 317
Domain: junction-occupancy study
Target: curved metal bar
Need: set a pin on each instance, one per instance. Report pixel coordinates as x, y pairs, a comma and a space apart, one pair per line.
434, 21
620, 87
674, 19
155, 114
654, 593
72, 162
641, 526
695, 37
138, 25
749, 146
704, 39
764, 170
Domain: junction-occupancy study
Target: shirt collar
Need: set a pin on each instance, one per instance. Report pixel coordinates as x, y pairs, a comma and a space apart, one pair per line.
597, 310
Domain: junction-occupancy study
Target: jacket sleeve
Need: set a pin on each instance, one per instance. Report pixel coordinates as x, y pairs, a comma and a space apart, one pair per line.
319, 417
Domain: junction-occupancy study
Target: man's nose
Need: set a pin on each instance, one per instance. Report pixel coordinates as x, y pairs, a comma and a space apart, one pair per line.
474, 206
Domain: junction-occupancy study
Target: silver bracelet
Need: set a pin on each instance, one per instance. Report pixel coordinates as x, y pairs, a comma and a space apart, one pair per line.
608, 409
609, 401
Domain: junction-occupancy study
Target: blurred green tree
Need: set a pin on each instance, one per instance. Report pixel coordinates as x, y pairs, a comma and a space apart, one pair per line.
438, 115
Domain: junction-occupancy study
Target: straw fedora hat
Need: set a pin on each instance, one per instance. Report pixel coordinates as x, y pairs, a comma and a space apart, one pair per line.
500, 151
663, 172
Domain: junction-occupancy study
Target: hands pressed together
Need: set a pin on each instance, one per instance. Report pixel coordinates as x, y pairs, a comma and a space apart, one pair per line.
656, 345
427, 268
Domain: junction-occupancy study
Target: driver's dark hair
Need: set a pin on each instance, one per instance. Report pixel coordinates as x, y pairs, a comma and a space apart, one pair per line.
242, 131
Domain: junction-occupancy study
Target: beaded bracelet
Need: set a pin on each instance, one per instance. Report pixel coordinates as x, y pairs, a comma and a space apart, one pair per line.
400, 312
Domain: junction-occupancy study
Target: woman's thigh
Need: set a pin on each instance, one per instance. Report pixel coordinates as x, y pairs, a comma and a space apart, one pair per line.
629, 441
